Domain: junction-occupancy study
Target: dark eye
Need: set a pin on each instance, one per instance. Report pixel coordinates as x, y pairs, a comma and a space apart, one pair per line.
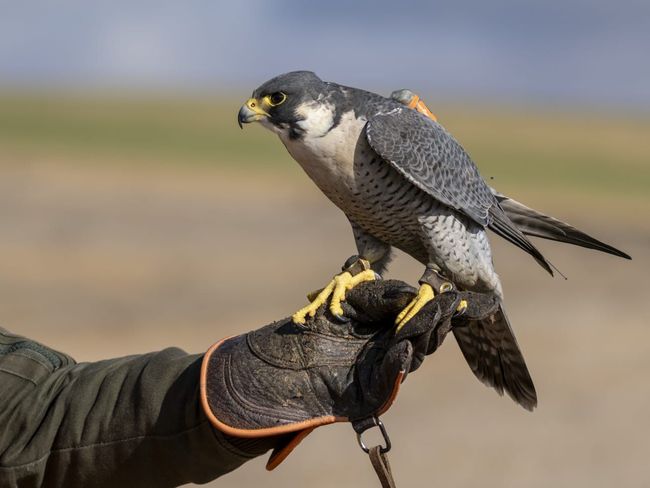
277, 98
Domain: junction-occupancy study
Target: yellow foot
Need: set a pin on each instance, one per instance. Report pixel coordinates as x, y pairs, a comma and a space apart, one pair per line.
462, 306
424, 296
336, 288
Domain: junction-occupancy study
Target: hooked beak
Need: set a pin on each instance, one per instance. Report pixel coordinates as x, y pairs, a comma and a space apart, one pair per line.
251, 111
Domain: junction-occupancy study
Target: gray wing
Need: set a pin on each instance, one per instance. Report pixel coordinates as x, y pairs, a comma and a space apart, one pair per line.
493, 355
430, 158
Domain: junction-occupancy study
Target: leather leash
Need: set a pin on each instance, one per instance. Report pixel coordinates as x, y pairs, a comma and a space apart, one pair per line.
380, 462
377, 454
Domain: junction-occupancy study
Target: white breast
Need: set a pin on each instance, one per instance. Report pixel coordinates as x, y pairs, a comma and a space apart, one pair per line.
327, 156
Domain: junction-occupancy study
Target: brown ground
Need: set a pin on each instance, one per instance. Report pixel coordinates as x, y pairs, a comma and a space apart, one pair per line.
105, 261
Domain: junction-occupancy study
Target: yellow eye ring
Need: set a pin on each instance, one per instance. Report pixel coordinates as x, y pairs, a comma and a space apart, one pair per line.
275, 99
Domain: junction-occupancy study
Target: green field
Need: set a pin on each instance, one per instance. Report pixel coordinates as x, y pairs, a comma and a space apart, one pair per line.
536, 149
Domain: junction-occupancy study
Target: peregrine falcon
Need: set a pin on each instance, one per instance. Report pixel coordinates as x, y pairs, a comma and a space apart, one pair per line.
403, 181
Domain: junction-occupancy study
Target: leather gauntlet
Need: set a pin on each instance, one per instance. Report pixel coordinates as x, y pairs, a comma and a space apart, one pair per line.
289, 379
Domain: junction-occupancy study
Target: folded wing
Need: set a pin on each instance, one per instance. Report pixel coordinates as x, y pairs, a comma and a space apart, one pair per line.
428, 156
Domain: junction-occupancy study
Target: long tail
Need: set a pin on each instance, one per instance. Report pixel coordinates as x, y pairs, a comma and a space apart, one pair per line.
492, 353
533, 223
506, 228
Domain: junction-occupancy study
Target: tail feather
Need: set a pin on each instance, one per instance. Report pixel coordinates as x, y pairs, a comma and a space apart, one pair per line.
534, 223
504, 227
492, 353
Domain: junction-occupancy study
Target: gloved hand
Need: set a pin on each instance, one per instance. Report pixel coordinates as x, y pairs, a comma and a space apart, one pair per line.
284, 379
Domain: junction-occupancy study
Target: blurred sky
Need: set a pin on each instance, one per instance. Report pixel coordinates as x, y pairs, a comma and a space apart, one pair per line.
581, 52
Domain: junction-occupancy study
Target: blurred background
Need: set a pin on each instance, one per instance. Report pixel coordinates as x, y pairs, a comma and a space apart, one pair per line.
135, 215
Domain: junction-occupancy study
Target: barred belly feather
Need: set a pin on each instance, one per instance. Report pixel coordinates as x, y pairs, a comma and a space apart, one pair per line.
384, 204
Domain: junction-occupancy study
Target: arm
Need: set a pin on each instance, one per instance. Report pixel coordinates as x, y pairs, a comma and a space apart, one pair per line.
132, 421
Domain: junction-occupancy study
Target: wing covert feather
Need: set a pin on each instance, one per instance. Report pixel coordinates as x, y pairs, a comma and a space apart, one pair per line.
428, 156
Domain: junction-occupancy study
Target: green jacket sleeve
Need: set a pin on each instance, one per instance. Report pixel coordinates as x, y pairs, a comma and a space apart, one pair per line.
132, 421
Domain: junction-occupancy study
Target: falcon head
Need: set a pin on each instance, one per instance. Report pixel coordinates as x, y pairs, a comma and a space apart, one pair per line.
285, 103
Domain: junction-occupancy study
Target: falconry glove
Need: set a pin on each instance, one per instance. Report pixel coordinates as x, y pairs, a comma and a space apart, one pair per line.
285, 379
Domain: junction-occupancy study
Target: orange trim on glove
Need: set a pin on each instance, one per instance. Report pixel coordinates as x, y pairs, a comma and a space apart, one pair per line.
303, 428
253, 433
280, 455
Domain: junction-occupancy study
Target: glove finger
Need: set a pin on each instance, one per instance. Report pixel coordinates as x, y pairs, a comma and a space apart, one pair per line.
380, 300
396, 362
438, 336
420, 345
379, 374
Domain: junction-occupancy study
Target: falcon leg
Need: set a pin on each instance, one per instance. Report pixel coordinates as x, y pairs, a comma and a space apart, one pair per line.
353, 274
430, 284
373, 257
373, 250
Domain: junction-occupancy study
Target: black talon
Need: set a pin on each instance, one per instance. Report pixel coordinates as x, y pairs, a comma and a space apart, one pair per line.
460, 313
340, 318
302, 327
